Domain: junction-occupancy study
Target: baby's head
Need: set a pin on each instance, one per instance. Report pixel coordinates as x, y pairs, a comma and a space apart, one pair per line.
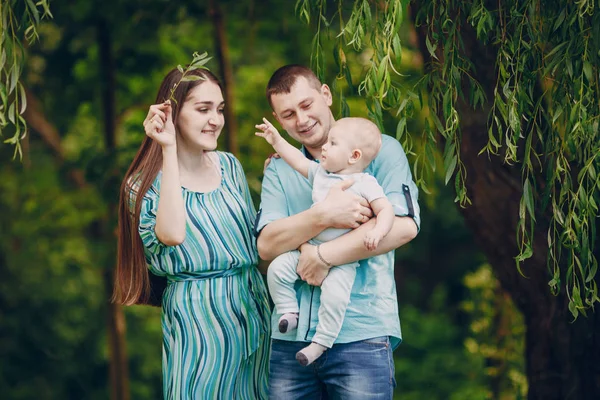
351, 145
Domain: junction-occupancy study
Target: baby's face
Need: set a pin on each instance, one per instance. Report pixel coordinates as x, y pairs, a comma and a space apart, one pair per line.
336, 153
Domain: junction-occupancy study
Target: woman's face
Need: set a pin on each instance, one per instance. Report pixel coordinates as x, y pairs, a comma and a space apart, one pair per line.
200, 118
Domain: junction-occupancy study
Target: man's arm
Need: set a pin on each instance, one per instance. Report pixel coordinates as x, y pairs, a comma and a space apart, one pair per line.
403, 231
289, 233
338, 210
312, 270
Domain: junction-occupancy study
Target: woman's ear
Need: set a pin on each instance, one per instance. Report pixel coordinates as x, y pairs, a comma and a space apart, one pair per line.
355, 156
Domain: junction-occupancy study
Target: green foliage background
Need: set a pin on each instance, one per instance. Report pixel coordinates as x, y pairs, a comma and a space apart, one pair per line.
54, 248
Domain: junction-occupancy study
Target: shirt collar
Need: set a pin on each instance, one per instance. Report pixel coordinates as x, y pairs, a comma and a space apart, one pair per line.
308, 155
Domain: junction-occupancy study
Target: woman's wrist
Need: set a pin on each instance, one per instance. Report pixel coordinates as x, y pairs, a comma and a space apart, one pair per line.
169, 150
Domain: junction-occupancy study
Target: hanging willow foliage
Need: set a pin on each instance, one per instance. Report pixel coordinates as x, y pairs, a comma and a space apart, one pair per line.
543, 116
19, 20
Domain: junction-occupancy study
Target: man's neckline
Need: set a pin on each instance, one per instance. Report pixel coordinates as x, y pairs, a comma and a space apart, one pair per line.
307, 153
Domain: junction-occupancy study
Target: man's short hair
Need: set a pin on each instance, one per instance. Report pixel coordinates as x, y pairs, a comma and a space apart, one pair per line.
284, 78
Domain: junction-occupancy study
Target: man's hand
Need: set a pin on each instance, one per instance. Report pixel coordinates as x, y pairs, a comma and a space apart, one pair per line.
310, 268
345, 210
268, 161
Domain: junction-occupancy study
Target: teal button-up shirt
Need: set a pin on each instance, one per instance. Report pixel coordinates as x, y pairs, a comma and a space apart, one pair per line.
373, 308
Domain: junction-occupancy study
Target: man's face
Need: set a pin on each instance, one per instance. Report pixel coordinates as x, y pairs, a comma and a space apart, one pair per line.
304, 113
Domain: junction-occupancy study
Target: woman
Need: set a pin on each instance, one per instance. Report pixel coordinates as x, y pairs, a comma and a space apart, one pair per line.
186, 214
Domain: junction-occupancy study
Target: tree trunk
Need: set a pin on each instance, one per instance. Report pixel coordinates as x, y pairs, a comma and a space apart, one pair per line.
37, 121
222, 54
561, 356
115, 319
119, 373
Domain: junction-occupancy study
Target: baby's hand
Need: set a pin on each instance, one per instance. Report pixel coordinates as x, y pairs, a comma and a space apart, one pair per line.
372, 239
268, 132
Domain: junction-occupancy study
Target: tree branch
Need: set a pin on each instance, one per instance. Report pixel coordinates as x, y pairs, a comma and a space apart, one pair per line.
38, 122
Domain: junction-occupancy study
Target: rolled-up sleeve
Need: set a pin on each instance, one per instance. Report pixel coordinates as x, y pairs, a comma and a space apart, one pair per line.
273, 203
393, 174
147, 225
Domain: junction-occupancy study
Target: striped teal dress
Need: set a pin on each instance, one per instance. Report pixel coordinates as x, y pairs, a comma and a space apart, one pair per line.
215, 316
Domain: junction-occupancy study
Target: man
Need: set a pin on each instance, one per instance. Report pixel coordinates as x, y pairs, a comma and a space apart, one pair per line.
360, 363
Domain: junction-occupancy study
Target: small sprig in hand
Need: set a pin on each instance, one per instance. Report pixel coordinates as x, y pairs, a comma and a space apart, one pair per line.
198, 62
269, 132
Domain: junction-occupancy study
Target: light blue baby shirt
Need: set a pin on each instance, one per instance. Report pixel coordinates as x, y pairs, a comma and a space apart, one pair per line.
373, 308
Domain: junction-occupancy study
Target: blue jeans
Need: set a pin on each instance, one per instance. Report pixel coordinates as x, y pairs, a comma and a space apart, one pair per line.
350, 371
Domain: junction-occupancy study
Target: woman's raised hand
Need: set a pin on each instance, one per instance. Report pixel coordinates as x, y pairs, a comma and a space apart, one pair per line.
159, 124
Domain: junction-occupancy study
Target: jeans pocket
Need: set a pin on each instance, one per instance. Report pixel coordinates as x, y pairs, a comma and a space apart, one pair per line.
381, 341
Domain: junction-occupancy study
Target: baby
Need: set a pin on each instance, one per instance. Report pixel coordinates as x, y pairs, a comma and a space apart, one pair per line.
352, 144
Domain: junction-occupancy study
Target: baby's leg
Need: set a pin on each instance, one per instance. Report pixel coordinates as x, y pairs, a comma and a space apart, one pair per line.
335, 296
281, 277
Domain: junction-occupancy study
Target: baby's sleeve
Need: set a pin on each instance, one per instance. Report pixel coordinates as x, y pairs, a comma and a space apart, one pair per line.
370, 189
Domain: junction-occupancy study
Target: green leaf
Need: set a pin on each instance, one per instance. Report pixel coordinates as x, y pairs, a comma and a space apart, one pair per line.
345, 108
400, 128
381, 70
569, 66
525, 254
514, 121
450, 166
324, 20
13, 78
528, 196
557, 113
577, 297
399, 14
191, 78
437, 123
431, 47
587, 70
11, 113
34, 11
592, 271
573, 309
348, 78
23, 98
367, 13
558, 214
430, 156
197, 57
397, 48
200, 62
556, 49
2, 58
336, 54
447, 103
560, 19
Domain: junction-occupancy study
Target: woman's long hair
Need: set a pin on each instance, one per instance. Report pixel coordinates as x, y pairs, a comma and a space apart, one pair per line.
132, 278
